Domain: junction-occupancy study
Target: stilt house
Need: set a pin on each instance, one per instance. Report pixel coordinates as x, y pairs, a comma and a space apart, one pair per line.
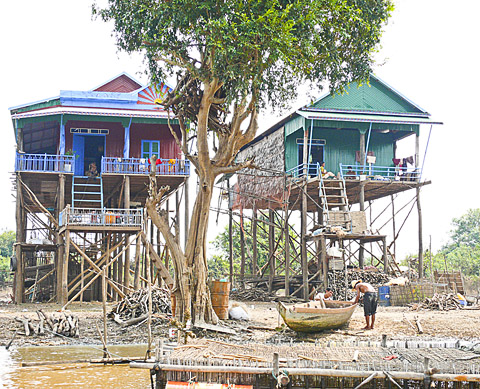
355, 134
81, 178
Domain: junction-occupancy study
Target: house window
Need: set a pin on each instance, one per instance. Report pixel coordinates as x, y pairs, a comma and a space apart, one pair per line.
149, 148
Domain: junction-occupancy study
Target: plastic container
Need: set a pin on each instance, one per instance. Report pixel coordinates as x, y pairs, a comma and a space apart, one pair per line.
384, 296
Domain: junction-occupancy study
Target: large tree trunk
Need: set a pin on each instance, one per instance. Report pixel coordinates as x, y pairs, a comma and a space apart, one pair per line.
196, 254
191, 271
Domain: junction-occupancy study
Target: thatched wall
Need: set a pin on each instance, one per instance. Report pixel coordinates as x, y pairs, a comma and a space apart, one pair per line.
257, 186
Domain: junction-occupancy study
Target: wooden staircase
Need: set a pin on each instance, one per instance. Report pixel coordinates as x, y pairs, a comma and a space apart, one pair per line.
333, 195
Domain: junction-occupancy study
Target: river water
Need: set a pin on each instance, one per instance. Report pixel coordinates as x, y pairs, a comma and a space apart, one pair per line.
75, 375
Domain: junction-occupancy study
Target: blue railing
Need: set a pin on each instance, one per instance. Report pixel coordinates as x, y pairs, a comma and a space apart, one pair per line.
101, 217
44, 163
382, 173
116, 165
299, 171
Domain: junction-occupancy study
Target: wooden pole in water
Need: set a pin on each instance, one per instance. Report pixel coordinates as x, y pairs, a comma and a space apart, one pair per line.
149, 319
66, 258
104, 304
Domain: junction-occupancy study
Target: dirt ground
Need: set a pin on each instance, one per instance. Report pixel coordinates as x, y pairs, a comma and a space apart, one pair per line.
464, 324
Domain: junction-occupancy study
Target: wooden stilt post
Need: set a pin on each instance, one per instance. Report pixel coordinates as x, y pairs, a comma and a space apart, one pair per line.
420, 236
177, 216
149, 318
323, 256
59, 237
318, 245
242, 252
419, 208
126, 262
254, 241
385, 254
361, 252
104, 306
114, 268
19, 284
287, 253
66, 259
82, 279
136, 277
271, 248
394, 227
303, 217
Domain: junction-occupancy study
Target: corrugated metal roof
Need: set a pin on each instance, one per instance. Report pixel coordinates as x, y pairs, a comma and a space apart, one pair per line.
93, 111
355, 117
377, 96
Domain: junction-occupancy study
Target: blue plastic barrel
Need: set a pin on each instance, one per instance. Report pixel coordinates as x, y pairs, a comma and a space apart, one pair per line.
384, 295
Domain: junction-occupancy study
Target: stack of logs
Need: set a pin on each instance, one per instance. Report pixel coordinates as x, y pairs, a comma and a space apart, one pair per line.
336, 281
251, 294
62, 323
440, 302
134, 306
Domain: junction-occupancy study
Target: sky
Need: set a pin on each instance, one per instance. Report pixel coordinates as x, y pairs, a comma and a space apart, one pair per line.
428, 53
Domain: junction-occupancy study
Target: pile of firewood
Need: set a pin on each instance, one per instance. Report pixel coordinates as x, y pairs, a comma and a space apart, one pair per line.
336, 281
134, 306
251, 294
439, 302
58, 323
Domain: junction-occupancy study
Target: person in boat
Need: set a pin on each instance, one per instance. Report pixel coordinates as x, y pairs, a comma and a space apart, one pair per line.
370, 300
328, 295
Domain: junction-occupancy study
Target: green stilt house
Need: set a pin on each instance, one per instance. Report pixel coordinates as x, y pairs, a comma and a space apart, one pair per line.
356, 135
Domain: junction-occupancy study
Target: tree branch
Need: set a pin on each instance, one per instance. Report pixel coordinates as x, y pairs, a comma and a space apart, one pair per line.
234, 168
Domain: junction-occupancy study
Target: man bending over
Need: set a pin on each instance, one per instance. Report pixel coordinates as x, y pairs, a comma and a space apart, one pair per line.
369, 301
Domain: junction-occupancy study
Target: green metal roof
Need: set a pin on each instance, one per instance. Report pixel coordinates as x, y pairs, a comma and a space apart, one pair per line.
376, 96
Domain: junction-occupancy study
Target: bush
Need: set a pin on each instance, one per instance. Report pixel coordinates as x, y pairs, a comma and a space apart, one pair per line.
5, 275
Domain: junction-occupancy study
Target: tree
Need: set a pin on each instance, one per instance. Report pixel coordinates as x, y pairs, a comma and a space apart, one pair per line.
7, 239
232, 58
466, 230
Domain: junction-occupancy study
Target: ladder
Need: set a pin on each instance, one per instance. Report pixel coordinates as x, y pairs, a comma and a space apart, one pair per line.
333, 194
87, 192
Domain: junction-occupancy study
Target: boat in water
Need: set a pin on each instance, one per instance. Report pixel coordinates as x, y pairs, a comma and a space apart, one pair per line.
313, 317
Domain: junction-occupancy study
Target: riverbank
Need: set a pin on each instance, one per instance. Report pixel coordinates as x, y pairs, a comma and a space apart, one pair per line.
263, 326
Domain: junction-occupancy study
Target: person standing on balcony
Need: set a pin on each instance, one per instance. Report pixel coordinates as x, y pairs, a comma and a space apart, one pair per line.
324, 172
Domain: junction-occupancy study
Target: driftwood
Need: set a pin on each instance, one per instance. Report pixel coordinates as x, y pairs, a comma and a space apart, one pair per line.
419, 325
71, 362
441, 302
63, 324
133, 308
410, 323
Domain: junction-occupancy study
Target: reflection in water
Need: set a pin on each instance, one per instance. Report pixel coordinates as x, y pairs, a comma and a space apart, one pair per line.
80, 375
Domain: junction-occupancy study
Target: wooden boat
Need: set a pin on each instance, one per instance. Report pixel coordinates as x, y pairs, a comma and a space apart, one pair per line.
312, 317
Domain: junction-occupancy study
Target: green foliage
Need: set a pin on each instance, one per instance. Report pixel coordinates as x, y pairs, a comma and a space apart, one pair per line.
461, 253
466, 230
218, 264
5, 270
7, 239
261, 47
